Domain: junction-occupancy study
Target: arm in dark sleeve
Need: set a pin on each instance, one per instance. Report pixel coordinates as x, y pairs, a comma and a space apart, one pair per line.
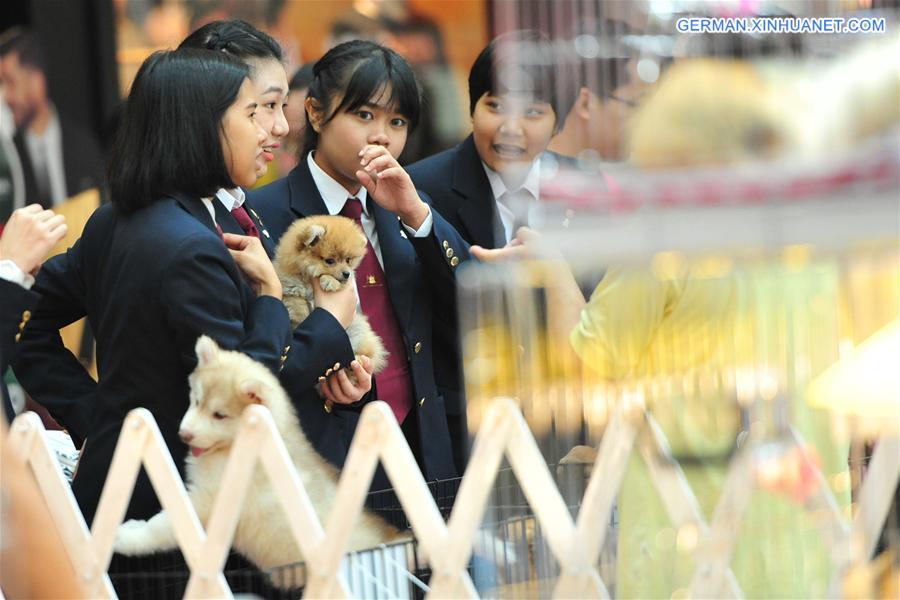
17, 305
16, 300
317, 344
203, 294
442, 253
48, 371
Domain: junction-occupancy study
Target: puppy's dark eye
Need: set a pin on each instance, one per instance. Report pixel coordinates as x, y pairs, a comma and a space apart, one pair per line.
348, 260
219, 416
329, 261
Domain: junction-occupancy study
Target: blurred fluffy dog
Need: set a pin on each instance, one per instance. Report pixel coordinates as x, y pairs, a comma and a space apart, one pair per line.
330, 248
222, 386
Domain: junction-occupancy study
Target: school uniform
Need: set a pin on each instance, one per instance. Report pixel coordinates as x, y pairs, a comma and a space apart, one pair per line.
418, 304
228, 213
150, 283
472, 198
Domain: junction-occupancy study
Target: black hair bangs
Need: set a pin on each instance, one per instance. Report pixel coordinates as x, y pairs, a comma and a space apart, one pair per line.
357, 73
372, 80
170, 136
523, 63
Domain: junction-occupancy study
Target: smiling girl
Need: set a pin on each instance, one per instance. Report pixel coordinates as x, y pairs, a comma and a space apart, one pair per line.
152, 273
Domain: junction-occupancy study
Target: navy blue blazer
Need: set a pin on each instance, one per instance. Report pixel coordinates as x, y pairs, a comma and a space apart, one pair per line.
420, 305
17, 303
460, 191
150, 283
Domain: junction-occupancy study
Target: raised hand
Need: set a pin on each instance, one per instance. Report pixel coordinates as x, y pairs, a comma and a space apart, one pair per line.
390, 186
29, 235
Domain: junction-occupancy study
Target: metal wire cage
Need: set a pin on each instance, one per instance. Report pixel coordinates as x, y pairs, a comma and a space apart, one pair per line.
511, 552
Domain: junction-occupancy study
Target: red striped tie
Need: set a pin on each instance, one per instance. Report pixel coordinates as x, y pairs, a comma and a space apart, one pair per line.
395, 382
240, 215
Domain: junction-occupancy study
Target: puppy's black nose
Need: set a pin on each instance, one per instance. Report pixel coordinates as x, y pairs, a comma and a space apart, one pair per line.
346, 275
186, 436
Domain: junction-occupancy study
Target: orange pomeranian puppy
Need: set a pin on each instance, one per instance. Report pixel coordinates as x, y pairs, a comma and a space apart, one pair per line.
328, 248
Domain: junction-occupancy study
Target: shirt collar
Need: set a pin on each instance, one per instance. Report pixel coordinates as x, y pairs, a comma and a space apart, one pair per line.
51, 134
231, 199
333, 193
532, 180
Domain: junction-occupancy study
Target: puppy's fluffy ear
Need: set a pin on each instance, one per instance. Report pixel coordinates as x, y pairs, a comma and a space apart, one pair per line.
312, 235
256, 390
206, 349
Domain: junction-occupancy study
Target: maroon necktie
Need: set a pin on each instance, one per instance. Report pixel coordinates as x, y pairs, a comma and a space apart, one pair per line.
240, 215
394, 383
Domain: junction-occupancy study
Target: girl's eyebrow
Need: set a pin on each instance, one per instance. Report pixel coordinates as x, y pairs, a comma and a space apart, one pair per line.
251, 105
273, 88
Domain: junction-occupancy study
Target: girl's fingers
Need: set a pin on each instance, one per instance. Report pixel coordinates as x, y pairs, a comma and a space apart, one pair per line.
370, 152
346, 386
396, 173
367, 181
380, 163
362, 376
58, 231
54, 222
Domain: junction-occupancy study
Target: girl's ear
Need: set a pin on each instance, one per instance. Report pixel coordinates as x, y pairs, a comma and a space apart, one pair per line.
313, 113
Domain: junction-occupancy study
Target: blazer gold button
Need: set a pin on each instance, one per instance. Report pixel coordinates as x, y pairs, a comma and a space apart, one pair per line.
454, 261
418, 347
21, 325
286, 348
422, 401
449, 253
18, 336
446, 244
327, 407
26, 316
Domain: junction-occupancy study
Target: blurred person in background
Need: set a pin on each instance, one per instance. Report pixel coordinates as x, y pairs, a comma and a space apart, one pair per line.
610, 91
59, 157
12, 181
33, 560
295, 113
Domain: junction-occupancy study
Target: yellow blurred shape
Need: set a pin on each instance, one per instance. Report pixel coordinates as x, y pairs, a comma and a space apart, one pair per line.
867, 383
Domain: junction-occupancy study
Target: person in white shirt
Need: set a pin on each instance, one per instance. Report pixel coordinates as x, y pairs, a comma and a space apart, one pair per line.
59, 158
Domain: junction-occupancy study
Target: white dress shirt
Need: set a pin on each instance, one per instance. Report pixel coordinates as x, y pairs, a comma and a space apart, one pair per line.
230, 199
45, 151
532, 185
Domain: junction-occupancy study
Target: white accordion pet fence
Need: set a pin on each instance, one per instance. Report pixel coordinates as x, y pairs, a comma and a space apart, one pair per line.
565, 551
